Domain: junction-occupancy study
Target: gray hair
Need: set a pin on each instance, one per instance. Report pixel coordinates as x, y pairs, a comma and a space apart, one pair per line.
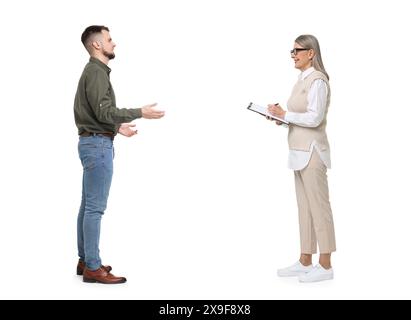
310, 42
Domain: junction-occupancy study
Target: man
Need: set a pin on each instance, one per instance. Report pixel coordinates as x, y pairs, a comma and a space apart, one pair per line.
98, 121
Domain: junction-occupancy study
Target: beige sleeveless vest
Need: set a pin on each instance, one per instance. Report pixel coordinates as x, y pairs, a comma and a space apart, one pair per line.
300, 138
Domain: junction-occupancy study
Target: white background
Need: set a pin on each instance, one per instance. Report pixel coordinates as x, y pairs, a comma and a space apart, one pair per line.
202, 205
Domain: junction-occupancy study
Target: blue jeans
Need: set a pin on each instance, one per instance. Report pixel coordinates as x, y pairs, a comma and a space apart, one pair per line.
96, 154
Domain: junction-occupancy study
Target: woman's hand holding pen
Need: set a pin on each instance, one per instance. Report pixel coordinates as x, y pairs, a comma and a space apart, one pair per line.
276, 110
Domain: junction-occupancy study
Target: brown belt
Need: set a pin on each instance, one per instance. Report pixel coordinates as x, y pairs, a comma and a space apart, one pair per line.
89, 134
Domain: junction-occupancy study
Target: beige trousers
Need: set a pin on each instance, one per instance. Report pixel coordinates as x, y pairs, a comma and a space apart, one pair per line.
314, 209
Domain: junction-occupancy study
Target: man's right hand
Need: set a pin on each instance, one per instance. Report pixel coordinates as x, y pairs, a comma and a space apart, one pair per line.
149, 113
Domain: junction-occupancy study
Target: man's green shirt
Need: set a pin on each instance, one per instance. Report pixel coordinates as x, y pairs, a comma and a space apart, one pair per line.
95, 108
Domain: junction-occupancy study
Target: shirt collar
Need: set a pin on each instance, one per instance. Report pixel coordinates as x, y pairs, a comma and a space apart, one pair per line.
306, 73
101, 64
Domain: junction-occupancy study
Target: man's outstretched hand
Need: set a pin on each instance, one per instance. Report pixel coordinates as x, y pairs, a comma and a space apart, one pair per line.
149, 113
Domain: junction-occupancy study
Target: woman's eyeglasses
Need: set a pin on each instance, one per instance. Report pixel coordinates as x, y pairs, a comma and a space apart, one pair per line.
296, 50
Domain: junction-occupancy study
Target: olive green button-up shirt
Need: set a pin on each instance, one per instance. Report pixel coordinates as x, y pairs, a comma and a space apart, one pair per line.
95, 108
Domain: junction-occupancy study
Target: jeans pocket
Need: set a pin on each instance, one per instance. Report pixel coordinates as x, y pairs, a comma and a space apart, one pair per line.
87, 144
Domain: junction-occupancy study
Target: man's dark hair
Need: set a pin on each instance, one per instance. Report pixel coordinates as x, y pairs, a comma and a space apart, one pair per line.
90, 31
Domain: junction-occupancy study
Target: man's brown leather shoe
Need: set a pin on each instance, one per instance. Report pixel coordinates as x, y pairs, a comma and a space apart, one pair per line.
81, 266
101, 276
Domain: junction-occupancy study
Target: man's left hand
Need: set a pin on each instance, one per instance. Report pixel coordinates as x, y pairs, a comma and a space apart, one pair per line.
125, 129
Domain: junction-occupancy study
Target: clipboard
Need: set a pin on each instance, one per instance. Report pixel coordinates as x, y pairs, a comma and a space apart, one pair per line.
264, 112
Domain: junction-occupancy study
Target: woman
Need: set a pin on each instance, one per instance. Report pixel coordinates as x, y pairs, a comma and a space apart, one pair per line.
309, 157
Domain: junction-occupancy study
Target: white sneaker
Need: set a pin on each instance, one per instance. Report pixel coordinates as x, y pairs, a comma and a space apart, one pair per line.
295, 270
318, 273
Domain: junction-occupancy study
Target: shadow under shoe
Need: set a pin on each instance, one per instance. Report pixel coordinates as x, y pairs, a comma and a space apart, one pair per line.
81, 266
101, 276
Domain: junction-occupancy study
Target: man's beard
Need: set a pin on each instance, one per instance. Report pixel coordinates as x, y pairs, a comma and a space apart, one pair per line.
110, 56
